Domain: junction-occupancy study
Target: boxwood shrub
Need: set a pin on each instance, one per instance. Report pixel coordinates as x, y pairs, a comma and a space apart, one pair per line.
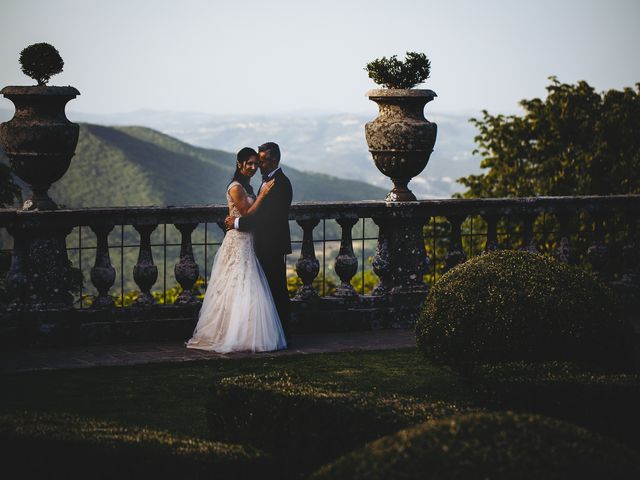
520, 306
600, 401
305, 425
488, 445
44, 445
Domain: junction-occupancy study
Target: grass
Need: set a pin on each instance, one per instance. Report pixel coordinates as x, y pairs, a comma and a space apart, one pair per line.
78, 430
172, 397
166, 415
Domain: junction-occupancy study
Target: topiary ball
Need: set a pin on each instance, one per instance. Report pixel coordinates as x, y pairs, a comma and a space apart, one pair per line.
41, 61
520, 306
488, 445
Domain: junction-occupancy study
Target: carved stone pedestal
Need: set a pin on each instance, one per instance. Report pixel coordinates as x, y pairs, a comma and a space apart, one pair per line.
400, 262
41, 276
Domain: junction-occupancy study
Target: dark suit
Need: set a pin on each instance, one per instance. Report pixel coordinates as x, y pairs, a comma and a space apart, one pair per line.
272, 240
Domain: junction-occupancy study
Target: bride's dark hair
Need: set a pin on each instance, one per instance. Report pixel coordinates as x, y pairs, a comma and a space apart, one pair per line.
243, 155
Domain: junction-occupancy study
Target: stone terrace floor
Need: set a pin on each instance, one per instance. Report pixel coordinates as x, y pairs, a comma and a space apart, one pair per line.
174, 351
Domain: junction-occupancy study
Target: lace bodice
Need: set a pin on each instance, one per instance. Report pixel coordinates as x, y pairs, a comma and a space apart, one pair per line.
233, 210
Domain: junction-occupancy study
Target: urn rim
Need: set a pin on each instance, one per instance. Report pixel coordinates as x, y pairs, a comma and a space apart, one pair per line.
39, 90
400, 93
400, 150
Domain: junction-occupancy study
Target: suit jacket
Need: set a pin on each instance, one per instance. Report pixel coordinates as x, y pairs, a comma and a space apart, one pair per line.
270, 222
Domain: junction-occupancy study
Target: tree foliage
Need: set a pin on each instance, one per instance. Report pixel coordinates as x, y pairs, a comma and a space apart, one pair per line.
575, 142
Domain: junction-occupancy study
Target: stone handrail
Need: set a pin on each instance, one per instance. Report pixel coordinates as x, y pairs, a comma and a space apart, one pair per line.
145, 215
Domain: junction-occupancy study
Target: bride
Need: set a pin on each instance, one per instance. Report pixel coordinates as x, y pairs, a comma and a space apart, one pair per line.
238, 312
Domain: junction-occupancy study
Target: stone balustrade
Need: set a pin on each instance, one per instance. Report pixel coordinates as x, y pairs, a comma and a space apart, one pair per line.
585, 228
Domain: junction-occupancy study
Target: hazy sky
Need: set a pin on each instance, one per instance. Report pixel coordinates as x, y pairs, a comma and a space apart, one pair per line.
242, 56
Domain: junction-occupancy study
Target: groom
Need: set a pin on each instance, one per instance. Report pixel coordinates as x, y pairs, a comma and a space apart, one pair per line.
270, 227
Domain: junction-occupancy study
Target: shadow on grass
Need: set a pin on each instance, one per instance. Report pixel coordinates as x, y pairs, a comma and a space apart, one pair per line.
287, 406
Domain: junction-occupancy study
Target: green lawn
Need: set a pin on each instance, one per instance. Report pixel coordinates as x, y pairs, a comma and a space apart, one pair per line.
292, 414
172, 397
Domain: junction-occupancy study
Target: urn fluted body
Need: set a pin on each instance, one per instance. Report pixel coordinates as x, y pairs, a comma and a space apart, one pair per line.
39, 140
401, 139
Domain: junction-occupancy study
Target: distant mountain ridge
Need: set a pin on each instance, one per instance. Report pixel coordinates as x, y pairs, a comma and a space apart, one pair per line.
332, 144
126, 166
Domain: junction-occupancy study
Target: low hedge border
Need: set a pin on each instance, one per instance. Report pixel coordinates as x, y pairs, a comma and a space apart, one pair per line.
42, 445
583, 394
488, 445
306, 425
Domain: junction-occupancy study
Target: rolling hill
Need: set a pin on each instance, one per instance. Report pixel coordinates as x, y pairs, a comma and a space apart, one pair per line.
330, 143
125, 166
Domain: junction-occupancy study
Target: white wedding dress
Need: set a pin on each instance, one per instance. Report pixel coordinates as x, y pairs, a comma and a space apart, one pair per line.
238, 313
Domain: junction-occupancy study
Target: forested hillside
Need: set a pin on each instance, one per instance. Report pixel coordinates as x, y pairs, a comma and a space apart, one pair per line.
123, 166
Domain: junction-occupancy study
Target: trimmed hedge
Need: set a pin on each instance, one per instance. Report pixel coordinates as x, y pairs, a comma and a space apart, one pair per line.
38, 445
520, 306
304, 425
600, 401
488, 445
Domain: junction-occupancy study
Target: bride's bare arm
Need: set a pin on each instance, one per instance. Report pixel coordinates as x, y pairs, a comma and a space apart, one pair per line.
241, 199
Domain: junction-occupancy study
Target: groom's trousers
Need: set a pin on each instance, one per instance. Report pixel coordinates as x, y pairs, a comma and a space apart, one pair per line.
275, 270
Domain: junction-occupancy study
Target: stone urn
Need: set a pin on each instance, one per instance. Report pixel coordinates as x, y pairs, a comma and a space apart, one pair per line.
401, 139
39, 140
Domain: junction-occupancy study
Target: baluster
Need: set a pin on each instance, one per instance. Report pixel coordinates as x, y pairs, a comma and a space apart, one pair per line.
492, 233
563, 251
346, 264
455, 255
307, 266
381, 262
103, 275
528, 239
186, 270
145, 273
598, 252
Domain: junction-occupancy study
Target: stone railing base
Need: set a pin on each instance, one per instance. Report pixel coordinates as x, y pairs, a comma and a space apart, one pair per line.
72, 327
